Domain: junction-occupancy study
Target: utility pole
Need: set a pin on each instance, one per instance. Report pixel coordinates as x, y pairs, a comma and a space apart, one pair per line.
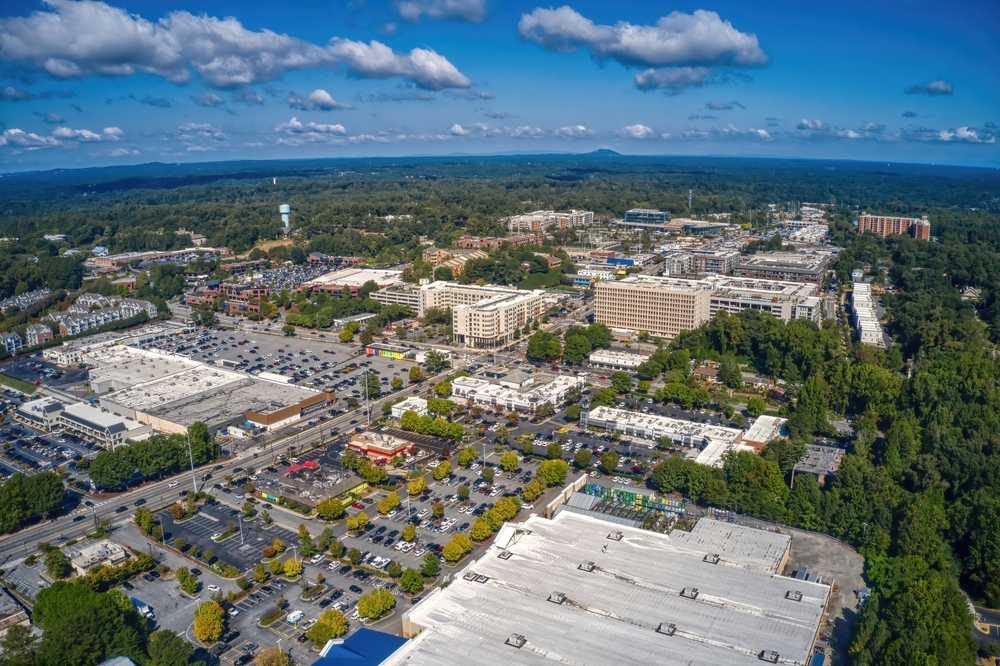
194, 479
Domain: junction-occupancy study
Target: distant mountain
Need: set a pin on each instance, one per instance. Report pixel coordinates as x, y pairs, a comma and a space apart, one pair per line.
603, 152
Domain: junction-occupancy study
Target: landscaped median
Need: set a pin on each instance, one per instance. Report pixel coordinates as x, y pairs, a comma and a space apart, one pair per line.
271, 618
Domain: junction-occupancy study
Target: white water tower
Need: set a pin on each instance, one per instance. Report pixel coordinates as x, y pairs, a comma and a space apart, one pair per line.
285, 210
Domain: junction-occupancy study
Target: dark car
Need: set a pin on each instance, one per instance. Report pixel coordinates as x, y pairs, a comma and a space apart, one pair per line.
249, 647
266, 506
148, 578
344, 570
325, 603
121, 509
195, 572
356, 590
336, 595
302, 638
416, 600
243, 659
265, 589
127, 585
79, 518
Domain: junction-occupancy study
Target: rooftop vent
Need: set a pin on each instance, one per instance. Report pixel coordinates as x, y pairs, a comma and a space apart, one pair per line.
616, 536
482, 579
505, 554
690, 592
768, 655
667, 629
557, 597
516, 640
793, 595
711, 558
586, 566
470, 576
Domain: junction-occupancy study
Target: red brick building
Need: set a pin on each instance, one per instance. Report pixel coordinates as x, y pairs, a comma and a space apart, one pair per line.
887, 226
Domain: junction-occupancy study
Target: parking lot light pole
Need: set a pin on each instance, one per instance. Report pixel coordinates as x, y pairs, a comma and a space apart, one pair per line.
240, 517
194, 479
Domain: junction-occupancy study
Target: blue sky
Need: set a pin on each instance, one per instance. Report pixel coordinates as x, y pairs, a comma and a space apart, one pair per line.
85, 83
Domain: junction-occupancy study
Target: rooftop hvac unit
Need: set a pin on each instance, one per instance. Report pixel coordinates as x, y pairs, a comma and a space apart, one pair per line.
557, 597
793, 595
768, 655
586, 566
470, 576
505, 554
666, 629
690, 592
516, 640
616, 536
711, 558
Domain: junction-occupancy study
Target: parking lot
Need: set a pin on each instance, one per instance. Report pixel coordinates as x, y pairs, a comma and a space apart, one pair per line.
29, 450
32, 369
213, 519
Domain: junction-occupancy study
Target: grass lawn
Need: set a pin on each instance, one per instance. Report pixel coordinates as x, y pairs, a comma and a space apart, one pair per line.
17, 384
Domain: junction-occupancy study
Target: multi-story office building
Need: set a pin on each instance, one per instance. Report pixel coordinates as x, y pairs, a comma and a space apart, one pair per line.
790, 266
720, 262
784, 300
646, 215
492, 322
400, 294
919, 228
661, 306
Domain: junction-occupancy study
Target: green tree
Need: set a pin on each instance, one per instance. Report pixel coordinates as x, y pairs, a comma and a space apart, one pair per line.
502, 434
532, 491
552, 472
293, 567
544, 346
57, 564
437, 510
553, 451
464, 492
394, 569
442, 471
609, 462
409, 532
330, 509
621, 382
466, 456
756, 406
577, 348
545, 410
166, 648
259, 573
443, 389
573, 412
431, 566
480, 531
411, 582
434, 361
396, 383
488, 474
582, 458
730, 373
354, 555
416, 487
416, 374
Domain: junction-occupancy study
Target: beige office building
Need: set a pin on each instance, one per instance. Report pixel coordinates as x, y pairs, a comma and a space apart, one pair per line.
661, 306
492, 322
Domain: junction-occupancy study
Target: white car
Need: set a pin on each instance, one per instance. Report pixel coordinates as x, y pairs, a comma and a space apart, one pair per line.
173, 484
233, 611
391, 514
216, 535
214, 588
316, 558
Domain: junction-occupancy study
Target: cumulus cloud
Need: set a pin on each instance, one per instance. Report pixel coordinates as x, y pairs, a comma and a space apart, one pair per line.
473, 11
201, 137
702, 116
480, 129
728, 131
247, 95
817, 129
12, 94
458, 130
934, 87
524, 132
909, 114
64, 137
673, 81
469, 94
771, 122
416, 96
678, 39
317, 100
207, 99
119, 152
161, 102
295, 126
575, 132
637, 132
49, 117
723, 106
72, 39
981, 135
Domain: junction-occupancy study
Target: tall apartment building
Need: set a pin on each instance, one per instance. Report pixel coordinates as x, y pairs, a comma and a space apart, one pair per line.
661, 306
492, 322
541, 220
886, 226
789, 266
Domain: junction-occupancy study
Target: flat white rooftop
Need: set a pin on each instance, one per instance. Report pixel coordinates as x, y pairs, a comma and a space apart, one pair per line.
610, 614
355, 277
764, 429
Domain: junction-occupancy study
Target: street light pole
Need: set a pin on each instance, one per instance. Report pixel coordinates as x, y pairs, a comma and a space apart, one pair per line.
194, 479
240, 518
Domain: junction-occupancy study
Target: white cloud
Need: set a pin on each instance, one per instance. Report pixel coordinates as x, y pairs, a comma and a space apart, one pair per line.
818, 129
481, 129
12, 94
728, 131
50, 117
980, 135
673, 80
935, 87
473, 11
524, 132
199, 137
458, 130
247, 95
295, 133
723, 106
298, 127
678, 39
575, 132
317, 100
72, 39
207, 99
119, 152
637, 132
64, 137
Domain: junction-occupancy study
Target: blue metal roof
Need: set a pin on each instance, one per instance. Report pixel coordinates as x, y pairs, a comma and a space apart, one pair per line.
364, 647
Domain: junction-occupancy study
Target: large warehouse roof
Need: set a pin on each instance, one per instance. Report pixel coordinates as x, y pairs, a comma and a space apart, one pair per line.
567, 591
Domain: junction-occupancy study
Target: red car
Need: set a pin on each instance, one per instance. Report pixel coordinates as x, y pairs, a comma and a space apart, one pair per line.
358, 505
603, 377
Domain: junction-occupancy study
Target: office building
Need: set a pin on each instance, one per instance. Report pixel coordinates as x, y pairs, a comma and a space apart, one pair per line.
41, 413
763, 430
661, 306
645, 215
412, 404
93, 554
791, 266
580, 589
784, 300
501, 396
720, 262
615, 360
496, 321
400, 294
887, 226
